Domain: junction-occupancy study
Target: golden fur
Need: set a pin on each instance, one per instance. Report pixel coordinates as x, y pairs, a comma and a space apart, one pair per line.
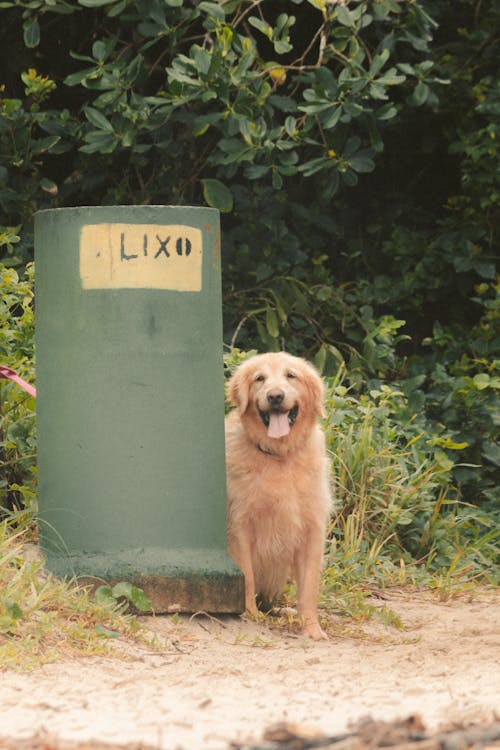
279, 498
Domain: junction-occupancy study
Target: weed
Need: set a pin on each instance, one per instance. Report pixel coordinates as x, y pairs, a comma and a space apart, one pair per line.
123, 595
399, 521
257, 641
43, 618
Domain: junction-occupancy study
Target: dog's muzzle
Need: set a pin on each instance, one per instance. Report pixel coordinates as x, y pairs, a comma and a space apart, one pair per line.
279, 422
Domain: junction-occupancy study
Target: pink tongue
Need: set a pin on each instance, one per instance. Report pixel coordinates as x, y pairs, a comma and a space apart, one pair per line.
278, 425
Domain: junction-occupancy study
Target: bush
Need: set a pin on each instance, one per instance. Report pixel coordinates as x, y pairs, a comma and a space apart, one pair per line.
399, 517
17, 409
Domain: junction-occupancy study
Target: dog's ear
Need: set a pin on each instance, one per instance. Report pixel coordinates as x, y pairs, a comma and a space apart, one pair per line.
316, 388
237, 389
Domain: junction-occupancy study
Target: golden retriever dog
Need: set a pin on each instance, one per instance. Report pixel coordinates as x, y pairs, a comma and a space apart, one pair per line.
279, 498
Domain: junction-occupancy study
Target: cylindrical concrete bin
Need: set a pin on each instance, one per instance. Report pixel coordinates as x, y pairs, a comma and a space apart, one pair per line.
130, 403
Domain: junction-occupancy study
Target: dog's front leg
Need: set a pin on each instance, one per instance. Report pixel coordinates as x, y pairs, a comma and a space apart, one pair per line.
308, 564
240, 551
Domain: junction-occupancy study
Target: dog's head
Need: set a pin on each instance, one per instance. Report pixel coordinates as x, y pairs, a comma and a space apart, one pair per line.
279, 398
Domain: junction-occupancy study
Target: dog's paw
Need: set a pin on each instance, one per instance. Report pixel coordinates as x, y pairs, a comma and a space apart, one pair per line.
254, 614
314, 631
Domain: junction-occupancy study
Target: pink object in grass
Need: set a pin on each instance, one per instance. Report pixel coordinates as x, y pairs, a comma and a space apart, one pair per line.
10, 374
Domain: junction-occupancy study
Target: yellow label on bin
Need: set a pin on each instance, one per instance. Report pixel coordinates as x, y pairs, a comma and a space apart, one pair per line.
141, 256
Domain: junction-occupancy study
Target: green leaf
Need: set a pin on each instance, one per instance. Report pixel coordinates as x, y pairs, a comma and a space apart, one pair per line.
203, 122
14, 610
99, 50
484, 269
281, 47
262, 26
276, 180
404, 518
45, 144
81, 75
352, 145
213, 10
451, 445
123, 588
280, 309
362, 161
133, 594
315, 165
350, 178
313, 108
406, 68
491, 451
140, 600
442, 460
331, 116
290, 125
481, 381
97, 119
234, 150
272, 323
391, 78
378, 62
420, 93
104, 595
99, 141
117, 9
377, 91
345, 17
106, 632
95, 3
386, 112
134, 68
353, 108
217, 195
332, 185
255, 171
32, 33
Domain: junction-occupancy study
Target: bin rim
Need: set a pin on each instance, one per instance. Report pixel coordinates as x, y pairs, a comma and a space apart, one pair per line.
126, 206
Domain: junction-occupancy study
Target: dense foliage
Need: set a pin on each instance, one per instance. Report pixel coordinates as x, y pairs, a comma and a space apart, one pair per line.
352, 150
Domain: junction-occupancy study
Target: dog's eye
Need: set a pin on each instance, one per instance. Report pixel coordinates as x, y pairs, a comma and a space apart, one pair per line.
291, 375
259, 379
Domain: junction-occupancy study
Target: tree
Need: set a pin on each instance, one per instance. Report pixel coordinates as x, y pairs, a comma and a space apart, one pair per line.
351, 147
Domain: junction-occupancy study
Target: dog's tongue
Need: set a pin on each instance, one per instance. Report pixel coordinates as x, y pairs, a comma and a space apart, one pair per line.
278, 425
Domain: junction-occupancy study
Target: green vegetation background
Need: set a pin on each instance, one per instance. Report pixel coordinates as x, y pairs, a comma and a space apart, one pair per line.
352, 148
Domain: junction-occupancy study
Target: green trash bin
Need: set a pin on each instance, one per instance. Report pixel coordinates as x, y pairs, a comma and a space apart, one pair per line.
130, 402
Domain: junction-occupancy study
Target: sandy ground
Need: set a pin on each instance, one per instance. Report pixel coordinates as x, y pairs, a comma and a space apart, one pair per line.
209, 682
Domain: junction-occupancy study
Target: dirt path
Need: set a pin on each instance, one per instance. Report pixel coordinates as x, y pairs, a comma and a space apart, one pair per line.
218, 681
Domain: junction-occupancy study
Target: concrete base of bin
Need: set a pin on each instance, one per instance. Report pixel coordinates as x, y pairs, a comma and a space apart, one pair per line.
174, 581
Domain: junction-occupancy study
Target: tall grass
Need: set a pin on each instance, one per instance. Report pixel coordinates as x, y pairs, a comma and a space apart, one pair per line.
399, 520
43, 618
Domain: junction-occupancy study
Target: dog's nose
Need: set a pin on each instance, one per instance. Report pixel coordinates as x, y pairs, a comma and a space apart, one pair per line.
275, 397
